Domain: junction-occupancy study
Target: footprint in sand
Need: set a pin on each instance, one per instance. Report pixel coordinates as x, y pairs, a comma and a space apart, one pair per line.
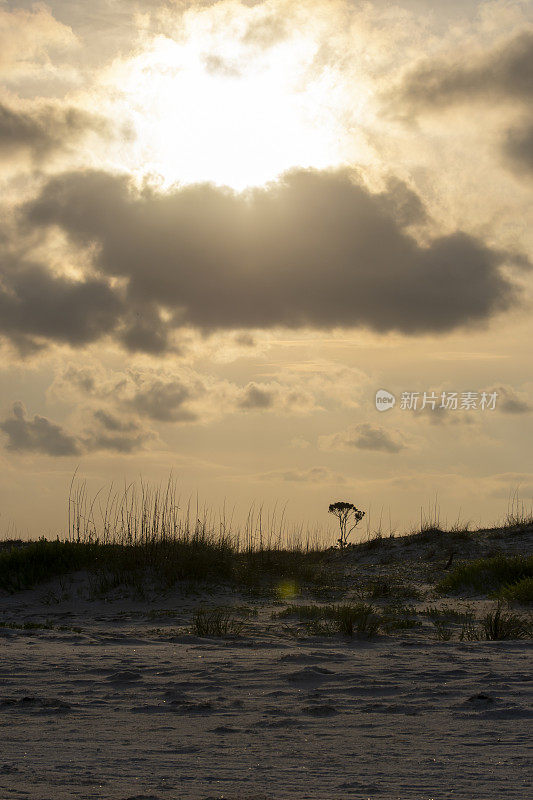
320, 710
124, 676
37, 705
225, 729
312, 658
310, 675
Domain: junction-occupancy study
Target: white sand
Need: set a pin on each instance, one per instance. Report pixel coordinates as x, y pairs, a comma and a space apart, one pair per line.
134, 707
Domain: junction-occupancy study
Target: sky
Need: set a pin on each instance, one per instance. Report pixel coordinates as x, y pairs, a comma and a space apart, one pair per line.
226, 226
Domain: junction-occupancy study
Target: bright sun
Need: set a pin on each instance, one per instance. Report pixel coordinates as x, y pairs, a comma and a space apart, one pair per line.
204, 117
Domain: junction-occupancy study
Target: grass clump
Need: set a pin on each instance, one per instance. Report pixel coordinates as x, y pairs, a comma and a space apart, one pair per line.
399, 618
24, 567
28, 626
520, 592
168, 561
144, 537
444, 618
388, 588
485, 574
360, 619
443, 632
446, 613
497, 625
162, 563
265, 566
217, 622
35, 626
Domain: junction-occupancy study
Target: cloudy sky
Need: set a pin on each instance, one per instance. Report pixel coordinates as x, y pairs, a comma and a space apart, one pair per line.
226, 225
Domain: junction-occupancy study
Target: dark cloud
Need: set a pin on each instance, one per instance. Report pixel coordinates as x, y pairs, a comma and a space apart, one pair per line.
23, 345
512, 402
80, 377
256, 397
36, 304
315, 249
112, 423
127, 399
115, 434
274, 397
166, 401
503, 73
43, 129
403, 204
518, 147
116, 443
37, 435
40, 435
364, 436
144, 331
244, 340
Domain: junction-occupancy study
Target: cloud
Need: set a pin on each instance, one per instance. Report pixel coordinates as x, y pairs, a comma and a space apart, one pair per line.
364, 436
216, 65
265, 32
155, 394
443, 416
113, 423
516, 488
512, 402
145, 331
315, 249
81, 378
37, 435
504, 73
181, 396
330, 383
36, 304
166, 401
275, 396
116, 434
28, 36
311, 475
518, 147
256, 398
158, 395
42, 129
40, 435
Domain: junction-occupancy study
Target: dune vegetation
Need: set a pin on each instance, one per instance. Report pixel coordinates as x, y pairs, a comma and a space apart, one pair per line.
142, 542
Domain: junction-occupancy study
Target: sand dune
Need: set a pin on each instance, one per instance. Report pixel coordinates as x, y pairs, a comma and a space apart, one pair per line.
118, 700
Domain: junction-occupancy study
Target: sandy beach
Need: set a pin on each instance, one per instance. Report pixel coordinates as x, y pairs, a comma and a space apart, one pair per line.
116, 698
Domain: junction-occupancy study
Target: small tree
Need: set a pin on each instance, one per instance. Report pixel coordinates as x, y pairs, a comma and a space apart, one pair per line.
349, 516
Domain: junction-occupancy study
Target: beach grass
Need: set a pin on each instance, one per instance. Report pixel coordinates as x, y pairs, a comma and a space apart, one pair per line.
487, 574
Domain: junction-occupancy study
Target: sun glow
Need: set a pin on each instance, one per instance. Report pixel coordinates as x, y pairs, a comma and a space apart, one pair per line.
204, 116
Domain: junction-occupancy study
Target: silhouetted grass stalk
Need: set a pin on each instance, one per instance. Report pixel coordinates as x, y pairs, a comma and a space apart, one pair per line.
145, 530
